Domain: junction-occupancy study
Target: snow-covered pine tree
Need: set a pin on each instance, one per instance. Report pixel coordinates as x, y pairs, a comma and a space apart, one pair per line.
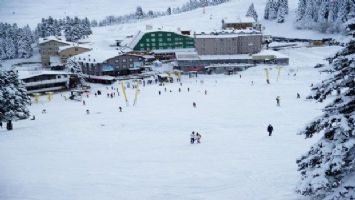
323, 14
252, 13
139, 12
168, 11
282, 10
328, 168
13, 98
332, 16
344, 9
73, 67
273, 10
301, 9
2, 49
307, 20
10, 48
267, 9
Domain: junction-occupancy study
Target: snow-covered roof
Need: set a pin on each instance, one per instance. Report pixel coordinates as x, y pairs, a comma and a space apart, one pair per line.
195, 56
224, 57
61, 48
187, 56
108, 78
227, 34
55, 60
53, 38
29, 74
228, 65
266, 52
99, 55
239, 20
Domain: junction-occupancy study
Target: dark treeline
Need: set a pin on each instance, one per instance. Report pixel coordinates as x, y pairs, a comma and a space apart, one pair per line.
15, 42
73, 29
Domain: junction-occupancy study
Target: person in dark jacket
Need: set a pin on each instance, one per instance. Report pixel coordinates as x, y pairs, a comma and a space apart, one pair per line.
192, 137
270, 129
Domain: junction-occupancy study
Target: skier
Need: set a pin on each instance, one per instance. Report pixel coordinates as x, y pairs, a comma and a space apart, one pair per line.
192, 137
179, 89
270, 129
84, 103
120, 108
44, 111
188, 89
278, 100
205, 92
0, 124
165, 89
87, 111
298, 95
194, 104
159, 92
33, 117
198, 138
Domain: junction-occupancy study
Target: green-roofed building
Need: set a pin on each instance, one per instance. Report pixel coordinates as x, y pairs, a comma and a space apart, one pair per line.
155, 40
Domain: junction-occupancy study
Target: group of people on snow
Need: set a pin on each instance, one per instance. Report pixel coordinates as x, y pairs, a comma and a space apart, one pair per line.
195, 137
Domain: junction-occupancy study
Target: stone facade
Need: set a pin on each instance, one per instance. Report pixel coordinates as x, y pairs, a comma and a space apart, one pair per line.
50, 47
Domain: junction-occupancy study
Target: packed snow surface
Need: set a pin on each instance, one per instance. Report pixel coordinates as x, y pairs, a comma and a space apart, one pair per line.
144, 151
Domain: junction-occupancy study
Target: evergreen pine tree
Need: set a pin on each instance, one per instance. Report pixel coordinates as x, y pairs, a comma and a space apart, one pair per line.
323, 14
328, 168
13, 98
252, 13
282, 11
301, 9
267, 9
168, 11
139, 12
273, 10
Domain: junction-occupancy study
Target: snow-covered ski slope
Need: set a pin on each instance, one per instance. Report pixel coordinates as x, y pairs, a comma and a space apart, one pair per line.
144, 152
30, 12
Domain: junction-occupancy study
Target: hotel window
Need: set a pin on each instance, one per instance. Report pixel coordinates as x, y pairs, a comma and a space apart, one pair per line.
169, 34
153, 40
153, 34
124, 60
147, 40
130, 60
160, 35
168, 39
160, 39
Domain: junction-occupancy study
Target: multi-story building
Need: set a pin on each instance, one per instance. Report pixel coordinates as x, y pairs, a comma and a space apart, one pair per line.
49, 46
228, 43
99, 63
45, 81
